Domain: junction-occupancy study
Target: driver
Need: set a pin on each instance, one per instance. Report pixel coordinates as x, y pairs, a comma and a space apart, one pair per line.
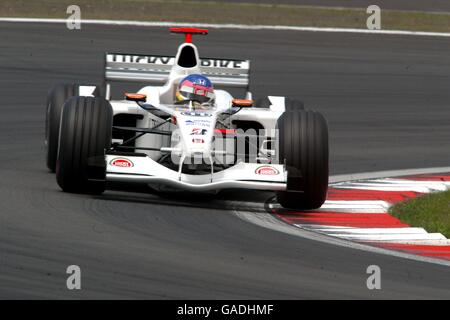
196, 88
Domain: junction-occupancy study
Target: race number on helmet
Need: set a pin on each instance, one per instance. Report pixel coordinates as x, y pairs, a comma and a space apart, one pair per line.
195, 87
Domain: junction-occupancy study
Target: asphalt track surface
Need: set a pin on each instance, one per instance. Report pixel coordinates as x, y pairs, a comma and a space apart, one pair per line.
387, 100
410, 5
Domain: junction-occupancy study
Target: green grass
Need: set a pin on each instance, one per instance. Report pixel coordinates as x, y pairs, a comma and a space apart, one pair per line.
222, 12
431, 212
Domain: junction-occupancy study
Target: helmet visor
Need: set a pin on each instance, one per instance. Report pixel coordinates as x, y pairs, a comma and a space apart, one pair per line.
197, 93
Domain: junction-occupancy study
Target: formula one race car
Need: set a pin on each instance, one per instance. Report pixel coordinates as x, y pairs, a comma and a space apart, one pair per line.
184, 132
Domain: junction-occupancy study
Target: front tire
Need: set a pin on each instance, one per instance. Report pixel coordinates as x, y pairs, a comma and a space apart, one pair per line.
86, 129
303, 142
56, 98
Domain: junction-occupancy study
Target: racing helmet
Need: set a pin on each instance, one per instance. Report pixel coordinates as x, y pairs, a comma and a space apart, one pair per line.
195, 87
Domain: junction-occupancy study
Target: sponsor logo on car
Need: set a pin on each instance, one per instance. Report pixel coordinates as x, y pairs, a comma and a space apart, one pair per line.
267, 171
198, 140
168, 60
198, 132
197, 114
128, 58
198, 123
222, 63
121, 162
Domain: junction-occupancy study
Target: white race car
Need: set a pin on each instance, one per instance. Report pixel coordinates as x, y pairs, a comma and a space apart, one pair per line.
151, 137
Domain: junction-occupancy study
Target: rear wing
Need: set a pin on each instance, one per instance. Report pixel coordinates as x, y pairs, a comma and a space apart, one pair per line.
156, 69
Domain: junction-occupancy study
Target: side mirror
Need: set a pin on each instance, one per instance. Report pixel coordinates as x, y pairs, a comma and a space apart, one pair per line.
243, 103
138, 97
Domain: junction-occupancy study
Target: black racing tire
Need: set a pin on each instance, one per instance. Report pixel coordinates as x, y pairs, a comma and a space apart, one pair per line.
56, 98
86, 131
289, 104
303, 147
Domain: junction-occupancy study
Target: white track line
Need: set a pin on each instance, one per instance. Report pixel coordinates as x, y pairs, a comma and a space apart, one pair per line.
372, 231
357, 206
386, 173
379, 186
428, 242
229, 26
360, 206
416, 182
389, 237
320, 226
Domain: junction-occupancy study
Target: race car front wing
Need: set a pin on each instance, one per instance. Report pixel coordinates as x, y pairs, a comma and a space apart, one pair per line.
136, 169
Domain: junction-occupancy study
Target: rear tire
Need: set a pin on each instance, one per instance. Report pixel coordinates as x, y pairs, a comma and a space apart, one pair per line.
86, 129
55, 101
303, 141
